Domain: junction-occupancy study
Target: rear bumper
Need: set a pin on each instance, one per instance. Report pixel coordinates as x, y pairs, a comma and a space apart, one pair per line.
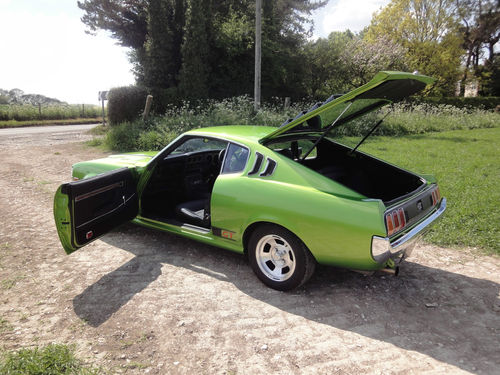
384, 249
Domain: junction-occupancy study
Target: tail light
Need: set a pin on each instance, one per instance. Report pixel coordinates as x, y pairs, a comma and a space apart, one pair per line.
436, 196
395, 221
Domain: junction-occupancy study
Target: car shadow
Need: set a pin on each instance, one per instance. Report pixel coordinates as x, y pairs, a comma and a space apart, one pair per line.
450, 317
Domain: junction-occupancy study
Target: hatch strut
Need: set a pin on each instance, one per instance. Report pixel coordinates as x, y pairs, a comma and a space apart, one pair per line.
370, 132
326, 132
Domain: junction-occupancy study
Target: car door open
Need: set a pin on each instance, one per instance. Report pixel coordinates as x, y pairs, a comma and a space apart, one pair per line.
85, 210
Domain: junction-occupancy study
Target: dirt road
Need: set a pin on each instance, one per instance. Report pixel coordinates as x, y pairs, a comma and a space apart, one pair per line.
140, 301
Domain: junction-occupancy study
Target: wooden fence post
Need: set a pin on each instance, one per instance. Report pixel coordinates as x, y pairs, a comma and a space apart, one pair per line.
288, 100
147, 107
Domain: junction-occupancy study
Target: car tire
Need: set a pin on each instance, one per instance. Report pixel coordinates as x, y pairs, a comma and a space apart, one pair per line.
279, 259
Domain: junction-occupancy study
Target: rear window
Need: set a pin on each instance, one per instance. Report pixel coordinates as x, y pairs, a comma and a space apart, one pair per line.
236, 159
295, 149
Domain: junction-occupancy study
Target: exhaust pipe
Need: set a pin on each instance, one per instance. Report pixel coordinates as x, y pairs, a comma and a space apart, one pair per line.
391, 271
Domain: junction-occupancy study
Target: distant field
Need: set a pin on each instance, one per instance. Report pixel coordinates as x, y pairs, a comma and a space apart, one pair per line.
9, 113
467, 166
18, 124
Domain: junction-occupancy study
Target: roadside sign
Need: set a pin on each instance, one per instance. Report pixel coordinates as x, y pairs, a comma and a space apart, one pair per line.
103, 95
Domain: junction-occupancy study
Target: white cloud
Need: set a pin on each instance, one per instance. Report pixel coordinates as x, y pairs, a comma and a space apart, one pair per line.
341, 15
52, 55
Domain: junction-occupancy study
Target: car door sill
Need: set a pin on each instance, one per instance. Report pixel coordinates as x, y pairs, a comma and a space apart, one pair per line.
176, 223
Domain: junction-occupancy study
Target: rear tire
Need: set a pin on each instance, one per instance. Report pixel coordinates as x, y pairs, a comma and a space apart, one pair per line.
279, 259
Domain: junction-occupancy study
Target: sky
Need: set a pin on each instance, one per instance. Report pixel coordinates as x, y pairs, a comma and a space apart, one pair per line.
44, 48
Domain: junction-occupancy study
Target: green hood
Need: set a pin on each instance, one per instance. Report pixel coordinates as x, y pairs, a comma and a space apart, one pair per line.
384, 88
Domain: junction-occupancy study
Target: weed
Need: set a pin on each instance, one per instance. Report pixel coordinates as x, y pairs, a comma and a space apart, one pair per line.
53, 359
10, 283
5, 325
136, 365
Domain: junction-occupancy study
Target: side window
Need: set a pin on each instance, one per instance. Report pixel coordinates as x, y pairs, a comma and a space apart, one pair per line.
236, 159
199, 144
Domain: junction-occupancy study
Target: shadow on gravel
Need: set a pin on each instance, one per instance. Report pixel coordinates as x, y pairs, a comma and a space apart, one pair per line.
450, 317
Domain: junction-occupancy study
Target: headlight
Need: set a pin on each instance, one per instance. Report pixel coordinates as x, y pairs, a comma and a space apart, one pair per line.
380, 247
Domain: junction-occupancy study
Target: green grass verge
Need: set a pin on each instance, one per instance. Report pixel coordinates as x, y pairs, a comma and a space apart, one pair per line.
53, 359
19, 124
467, 166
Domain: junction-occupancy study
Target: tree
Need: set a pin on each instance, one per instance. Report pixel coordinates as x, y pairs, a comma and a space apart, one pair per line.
345, 61
194, 76
480, 28
205, 47
428, 30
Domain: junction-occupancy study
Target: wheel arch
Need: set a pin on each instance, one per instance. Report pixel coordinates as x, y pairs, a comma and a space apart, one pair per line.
253, 226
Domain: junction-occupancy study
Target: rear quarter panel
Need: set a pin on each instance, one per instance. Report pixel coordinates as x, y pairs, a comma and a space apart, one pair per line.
336, 229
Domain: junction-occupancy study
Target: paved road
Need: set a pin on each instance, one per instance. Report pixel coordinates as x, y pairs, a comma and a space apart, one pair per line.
43, 135
45, 129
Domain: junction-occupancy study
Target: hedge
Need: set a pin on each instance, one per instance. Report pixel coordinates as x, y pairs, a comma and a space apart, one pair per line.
126, 103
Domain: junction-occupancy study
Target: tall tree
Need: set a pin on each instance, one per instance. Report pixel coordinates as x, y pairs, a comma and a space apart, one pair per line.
428, 30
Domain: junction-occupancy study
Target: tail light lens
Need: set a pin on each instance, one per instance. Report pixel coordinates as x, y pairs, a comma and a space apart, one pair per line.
436, 196
395, 221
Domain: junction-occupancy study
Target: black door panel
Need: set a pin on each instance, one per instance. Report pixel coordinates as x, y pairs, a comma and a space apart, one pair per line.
101, 203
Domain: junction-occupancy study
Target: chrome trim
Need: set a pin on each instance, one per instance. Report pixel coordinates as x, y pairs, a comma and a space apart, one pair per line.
81, 197
403, 246
419, 227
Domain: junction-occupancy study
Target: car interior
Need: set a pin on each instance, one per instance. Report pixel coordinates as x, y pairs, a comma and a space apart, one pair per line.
180, 187
358, 171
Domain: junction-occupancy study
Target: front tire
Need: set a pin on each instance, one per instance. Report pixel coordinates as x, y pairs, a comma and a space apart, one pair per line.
279, 259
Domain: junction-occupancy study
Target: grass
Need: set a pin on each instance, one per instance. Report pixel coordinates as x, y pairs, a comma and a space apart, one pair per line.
53, 359
19, 124
467, 166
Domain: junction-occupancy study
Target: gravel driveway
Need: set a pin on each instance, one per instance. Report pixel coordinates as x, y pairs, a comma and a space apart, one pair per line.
139, 301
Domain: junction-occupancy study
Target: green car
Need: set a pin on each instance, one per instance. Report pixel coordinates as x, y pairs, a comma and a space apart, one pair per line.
288, 197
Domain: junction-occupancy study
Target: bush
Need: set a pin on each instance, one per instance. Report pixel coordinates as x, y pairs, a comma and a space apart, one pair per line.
420, 119
126, 103
478, 102
160, 130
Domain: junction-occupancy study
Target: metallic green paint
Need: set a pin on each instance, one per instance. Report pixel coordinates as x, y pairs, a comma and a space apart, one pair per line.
334, 222
62, 218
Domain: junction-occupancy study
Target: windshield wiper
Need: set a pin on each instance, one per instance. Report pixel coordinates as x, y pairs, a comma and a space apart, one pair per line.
370, 132
326, 132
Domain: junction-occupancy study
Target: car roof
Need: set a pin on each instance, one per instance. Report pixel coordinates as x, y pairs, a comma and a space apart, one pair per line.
237, 133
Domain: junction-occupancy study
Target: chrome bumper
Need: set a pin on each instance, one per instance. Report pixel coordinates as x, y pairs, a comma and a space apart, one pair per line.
383, 249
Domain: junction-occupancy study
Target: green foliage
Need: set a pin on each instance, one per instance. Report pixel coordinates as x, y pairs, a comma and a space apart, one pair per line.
160, 130
157, 132
480, 102
345, 61
428, 30
420, 119
53, 359
467, 165
28, 112
204, 48
125, 103
194, 75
